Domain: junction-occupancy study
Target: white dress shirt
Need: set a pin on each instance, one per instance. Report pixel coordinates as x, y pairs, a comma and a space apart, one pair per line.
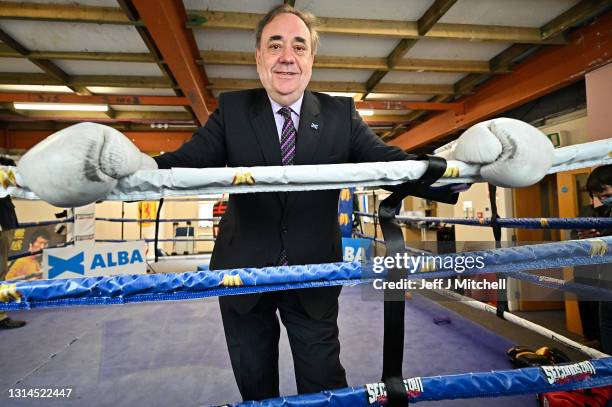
280, 119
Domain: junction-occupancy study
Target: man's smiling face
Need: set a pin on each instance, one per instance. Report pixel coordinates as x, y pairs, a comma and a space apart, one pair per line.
284, 58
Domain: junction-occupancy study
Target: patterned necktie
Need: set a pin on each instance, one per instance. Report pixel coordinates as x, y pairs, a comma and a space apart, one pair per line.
288, 136
287, 143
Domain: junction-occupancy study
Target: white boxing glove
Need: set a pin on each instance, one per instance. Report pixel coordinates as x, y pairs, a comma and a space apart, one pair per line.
511, 153
80, 164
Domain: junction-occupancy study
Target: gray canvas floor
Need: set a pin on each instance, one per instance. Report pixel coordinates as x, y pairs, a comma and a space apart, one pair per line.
173, 353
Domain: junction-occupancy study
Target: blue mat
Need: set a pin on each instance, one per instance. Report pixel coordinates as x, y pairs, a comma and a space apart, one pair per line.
140, 354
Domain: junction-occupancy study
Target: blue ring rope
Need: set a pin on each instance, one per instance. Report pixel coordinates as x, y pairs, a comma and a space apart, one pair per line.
108, 289
458, 386
522, 223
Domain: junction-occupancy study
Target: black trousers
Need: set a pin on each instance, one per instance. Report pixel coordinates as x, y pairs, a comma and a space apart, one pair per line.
252, 341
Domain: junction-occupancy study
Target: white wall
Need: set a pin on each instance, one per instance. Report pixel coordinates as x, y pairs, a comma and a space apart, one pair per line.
32, 211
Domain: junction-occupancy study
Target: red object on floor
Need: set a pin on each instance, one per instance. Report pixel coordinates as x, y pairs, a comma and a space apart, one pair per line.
596, 397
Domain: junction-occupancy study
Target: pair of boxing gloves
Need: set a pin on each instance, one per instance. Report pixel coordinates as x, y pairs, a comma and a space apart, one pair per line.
83, 163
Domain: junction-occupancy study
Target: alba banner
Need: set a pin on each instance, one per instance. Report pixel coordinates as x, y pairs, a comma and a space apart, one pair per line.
94, 261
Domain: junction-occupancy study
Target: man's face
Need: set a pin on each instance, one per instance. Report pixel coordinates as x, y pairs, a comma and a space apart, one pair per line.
600, 196
284, 58
39, 244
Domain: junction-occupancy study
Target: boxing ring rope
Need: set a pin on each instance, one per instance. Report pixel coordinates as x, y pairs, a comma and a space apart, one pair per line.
180, 181
155, 184
497, 383
204, 283
133, 220
522, 223
593, 353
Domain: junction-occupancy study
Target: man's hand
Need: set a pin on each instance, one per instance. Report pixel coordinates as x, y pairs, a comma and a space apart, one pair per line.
80, 164
511, 153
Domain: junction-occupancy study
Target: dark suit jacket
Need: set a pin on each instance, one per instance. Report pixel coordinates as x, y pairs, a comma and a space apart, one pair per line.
8, 217
242, 132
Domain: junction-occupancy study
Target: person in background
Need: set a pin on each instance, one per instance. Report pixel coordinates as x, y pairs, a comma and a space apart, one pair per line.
596, 316
8, 224
30, 267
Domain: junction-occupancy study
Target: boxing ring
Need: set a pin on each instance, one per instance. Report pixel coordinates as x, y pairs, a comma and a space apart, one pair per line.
423, 386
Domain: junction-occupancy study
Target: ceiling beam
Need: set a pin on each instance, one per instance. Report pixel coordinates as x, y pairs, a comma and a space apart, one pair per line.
97, 99
119, 115
424, 24
340, 62
320, 86
165, 22
151, 141
574, 15
412, 116
404, 105
16, 78
64, 12
385, 28
550, 69
182, 101
247, 58
248, 21
433, 14
131, 12
122, 126
44, 64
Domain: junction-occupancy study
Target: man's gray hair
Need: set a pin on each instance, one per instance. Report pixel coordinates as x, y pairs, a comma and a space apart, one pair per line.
308, 18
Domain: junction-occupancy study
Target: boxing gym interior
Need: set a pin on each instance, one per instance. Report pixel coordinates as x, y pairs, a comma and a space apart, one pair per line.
169, 226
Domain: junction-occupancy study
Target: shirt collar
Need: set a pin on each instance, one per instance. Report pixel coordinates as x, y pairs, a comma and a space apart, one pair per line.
295, 107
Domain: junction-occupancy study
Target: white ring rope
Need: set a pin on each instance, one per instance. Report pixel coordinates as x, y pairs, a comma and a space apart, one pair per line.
593, 353
146, 185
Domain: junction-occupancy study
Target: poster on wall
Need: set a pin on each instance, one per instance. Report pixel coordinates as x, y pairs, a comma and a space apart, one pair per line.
147, 212
32, 240
95, 260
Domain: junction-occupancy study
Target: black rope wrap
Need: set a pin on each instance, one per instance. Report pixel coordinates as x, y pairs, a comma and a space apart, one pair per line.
394, 306
159, 208
396, 392
502, 293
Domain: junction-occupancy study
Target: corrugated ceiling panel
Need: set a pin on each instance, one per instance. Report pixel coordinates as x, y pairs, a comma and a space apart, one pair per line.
372, 9
109, 68
231, 71
518, 13
251, 6
432, 78
341, 75
18, 65
429, 48
104, 90
55, 36
99, 3
225, 40
356, 46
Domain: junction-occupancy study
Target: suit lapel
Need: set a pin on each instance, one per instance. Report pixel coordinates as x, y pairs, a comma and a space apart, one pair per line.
309, 131
263, 122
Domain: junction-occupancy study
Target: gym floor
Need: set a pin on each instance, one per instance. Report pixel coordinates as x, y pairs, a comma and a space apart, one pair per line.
174, 353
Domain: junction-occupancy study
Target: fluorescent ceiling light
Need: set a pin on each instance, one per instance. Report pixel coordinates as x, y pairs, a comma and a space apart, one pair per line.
61, 106
345, 94
366, 112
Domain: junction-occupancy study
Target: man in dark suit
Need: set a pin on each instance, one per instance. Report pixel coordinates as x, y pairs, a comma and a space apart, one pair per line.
8, 224
283, 124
